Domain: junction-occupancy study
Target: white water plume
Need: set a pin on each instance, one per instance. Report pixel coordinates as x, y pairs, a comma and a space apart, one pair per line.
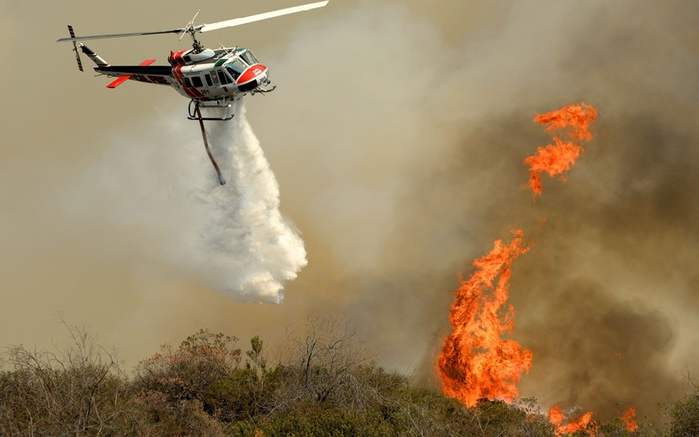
161, 193
245, 228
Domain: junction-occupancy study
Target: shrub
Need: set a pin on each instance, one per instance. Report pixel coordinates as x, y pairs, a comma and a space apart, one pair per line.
685, 415
80, 391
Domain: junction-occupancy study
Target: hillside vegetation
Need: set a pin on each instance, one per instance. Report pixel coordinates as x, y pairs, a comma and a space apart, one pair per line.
323, 384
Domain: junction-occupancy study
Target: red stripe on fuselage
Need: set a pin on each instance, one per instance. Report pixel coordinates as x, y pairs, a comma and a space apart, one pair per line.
191, 91
178, 76
176, 57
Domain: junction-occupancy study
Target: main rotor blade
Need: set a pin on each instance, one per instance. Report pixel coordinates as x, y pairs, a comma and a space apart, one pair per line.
117, 35
259, 17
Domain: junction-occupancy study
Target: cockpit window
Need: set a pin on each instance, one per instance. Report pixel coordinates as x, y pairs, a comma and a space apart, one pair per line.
236, 68
249, 58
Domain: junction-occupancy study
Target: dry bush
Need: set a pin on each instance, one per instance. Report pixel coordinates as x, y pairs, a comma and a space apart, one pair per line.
318, 363
79, 391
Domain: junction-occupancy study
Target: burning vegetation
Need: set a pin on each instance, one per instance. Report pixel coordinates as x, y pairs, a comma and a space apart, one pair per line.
323, 383
477, 360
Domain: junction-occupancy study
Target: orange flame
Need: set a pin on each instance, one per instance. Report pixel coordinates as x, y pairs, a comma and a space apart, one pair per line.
629, 419
558, 159
581, 423
475, 361
551, 159
577, 117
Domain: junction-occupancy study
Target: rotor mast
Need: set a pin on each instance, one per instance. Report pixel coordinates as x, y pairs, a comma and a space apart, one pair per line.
192, 31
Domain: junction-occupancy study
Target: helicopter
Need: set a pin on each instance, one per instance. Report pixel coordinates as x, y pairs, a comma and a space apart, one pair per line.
210, 78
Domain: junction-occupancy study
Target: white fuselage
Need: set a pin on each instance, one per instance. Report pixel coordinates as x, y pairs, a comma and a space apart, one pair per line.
216, 74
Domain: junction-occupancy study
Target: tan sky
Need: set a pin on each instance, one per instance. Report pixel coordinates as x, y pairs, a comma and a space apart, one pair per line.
397, 135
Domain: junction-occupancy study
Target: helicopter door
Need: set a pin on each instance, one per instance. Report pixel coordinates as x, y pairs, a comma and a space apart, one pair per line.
224, 80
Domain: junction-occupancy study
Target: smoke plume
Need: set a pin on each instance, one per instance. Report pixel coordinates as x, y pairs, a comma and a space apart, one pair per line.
416, 175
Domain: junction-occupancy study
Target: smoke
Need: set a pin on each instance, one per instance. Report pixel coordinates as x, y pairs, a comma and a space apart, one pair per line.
418, 170
606, 357
160, 192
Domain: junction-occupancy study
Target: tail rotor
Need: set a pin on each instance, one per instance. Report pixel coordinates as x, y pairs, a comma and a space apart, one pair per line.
75, 48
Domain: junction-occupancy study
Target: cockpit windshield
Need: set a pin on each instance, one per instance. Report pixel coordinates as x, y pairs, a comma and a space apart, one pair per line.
249, 58
236, 68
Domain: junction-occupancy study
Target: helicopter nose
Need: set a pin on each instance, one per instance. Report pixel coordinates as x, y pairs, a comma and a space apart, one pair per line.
252, 77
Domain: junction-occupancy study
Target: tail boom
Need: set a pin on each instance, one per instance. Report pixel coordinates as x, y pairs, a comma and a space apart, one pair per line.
93, 56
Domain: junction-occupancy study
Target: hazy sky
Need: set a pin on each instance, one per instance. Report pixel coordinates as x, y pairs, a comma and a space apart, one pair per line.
397, 135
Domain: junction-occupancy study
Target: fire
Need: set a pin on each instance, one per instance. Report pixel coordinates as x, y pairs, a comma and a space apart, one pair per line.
581, 423
584, 423
629, 419
578, 117
553, 160
476, 362
558, 159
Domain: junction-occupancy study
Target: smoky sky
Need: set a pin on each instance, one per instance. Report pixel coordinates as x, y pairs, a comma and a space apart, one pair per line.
397, 135
605, 299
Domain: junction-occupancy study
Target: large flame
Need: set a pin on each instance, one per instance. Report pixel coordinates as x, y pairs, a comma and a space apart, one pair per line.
575, 120
476, 362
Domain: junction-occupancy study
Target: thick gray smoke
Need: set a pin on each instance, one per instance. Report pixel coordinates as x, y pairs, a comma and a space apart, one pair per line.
160, 193
419, 169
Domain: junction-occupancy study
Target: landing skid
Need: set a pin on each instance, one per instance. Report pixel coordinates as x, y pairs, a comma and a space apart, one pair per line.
195, 114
